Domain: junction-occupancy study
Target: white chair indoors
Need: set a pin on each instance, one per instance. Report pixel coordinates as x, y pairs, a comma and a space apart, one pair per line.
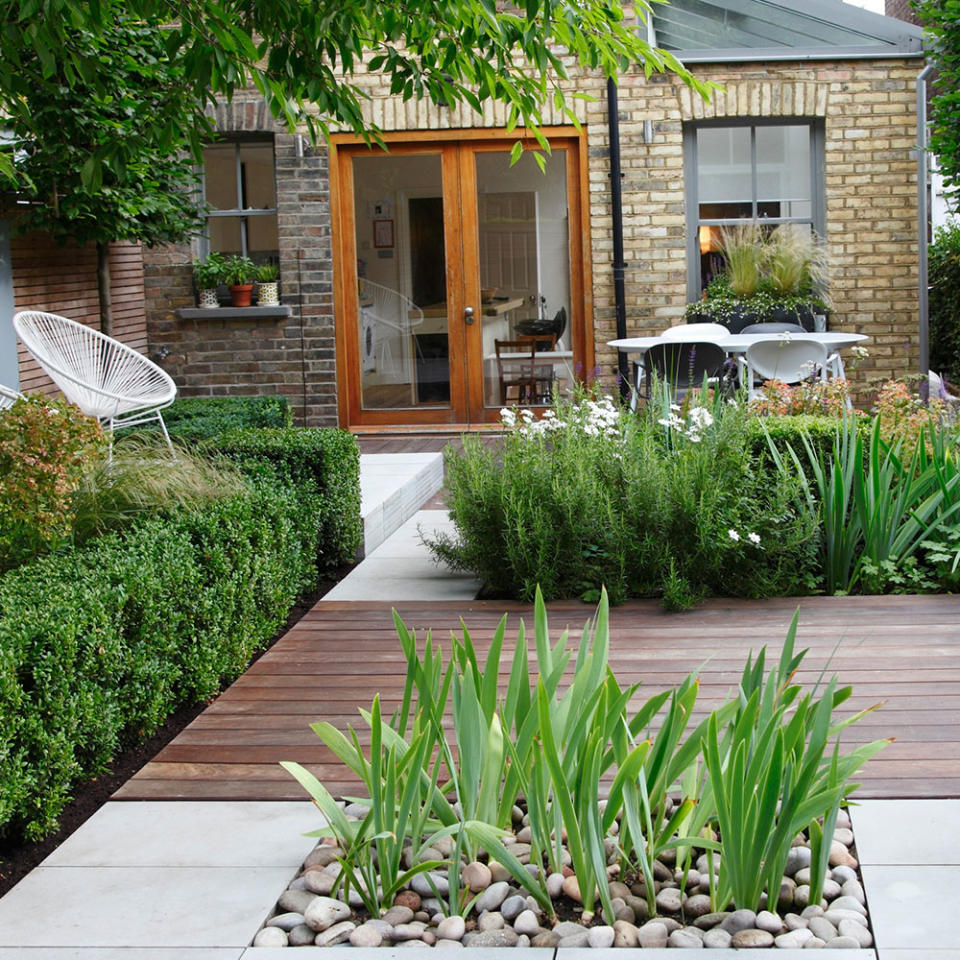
8, 397
696, 331
105, 378
790, 361
396, 317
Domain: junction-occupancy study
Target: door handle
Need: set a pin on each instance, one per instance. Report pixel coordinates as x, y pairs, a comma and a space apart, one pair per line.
468, 315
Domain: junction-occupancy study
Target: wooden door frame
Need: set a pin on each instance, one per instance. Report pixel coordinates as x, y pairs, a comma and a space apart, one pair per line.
345, 295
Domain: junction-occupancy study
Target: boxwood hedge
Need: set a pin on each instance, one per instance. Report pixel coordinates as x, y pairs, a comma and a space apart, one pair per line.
98, 645
199, 418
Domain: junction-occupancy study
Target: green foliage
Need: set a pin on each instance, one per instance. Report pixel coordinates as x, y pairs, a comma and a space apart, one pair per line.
239, 270
641, 504
98, 645
144, 477
306, 66
877, 502
771, 753
940, 19
201, 418
945, 304
210, 273
324, 461
769, 276
92, 124
771, 777
45, 447
268, 273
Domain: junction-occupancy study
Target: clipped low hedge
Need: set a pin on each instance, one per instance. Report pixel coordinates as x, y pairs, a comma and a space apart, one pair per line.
200, 418
326, 461
99, 645
821, 431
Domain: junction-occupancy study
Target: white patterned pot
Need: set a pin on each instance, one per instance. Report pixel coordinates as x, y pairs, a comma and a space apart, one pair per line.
208, 299
268, 294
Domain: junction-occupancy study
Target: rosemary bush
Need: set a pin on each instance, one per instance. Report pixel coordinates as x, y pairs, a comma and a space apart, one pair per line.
673, 501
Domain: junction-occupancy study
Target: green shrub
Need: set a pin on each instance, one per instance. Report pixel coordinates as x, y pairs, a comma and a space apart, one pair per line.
44, 447
200, 418
664, 502
326, 461
945, 304
98, 645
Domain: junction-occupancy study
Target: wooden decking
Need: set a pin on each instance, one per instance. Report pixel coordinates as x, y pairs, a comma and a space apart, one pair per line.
901, 650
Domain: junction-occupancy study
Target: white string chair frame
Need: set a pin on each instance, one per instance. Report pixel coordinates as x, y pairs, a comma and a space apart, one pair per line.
105, 378
8, 397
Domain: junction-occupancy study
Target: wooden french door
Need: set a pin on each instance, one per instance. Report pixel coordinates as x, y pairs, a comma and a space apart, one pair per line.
442, 250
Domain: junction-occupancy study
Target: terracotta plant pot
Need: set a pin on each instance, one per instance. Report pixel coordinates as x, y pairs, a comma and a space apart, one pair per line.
241, 295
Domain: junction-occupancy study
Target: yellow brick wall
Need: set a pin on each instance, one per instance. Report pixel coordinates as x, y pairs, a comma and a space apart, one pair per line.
868, 109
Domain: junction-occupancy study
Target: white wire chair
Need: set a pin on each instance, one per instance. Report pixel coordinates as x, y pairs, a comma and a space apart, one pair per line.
8, 397
105, 378
790, 361
395, 314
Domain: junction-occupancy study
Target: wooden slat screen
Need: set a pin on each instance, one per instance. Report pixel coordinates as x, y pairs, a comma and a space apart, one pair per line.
64, 280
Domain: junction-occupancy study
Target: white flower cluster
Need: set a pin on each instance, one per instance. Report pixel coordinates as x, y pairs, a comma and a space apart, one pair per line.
698, 419
595, 418
754, 538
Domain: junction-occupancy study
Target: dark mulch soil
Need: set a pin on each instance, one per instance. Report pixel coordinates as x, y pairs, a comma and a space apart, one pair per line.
18, 858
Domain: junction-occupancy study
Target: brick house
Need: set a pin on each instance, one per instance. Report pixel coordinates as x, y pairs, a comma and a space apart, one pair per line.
400, 271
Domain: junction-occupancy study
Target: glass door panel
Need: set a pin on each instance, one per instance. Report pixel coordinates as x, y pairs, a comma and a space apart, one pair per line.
524, 276
401, 282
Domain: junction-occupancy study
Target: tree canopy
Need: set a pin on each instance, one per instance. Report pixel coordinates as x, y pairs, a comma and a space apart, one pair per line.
304, 57
941, 18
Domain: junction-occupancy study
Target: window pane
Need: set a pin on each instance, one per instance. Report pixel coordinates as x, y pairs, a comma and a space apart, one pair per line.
403, 325
224, 234
256, 166
523, 235
783, 164
220, 176
723, 165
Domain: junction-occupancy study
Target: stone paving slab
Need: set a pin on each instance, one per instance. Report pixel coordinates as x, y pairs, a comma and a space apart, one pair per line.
910, 909
122, 953
891, 832
139, 906
401, 568
191, 834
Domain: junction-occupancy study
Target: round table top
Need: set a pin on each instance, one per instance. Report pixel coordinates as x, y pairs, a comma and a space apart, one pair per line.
738, 342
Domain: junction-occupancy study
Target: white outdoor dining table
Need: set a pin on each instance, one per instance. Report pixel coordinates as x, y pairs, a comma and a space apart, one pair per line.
738, 342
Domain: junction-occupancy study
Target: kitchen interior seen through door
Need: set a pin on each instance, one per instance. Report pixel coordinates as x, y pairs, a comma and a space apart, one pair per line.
461, 298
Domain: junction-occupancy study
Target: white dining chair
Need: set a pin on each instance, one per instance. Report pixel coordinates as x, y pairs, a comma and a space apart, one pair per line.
105, 378
789, 361
696, 331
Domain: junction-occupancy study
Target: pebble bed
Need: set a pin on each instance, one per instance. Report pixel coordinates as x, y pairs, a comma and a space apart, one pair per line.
504, 916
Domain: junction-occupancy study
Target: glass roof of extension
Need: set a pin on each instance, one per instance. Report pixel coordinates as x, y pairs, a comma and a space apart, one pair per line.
755, 27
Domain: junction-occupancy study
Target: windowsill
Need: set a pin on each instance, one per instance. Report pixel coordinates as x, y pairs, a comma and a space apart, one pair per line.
233, 313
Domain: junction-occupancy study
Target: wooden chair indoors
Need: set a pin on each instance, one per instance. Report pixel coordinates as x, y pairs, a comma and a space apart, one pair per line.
522, 380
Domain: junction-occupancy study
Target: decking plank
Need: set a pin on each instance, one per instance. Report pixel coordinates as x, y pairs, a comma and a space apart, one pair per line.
902, 650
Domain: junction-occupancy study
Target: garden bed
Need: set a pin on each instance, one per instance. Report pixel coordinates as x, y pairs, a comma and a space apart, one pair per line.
494, 830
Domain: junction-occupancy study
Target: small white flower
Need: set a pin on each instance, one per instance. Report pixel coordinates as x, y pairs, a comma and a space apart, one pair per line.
676, 407
753, 537
549, 414
785, 337
665, 423
733, 535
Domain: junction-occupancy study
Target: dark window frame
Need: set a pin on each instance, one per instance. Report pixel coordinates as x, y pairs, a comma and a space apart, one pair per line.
243, 214
817, 219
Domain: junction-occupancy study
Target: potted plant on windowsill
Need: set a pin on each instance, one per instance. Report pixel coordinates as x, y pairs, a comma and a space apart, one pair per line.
268, 289
207, 276
240, 274
777, 277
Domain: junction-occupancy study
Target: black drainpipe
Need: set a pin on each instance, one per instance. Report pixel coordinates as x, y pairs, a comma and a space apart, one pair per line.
616, 203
